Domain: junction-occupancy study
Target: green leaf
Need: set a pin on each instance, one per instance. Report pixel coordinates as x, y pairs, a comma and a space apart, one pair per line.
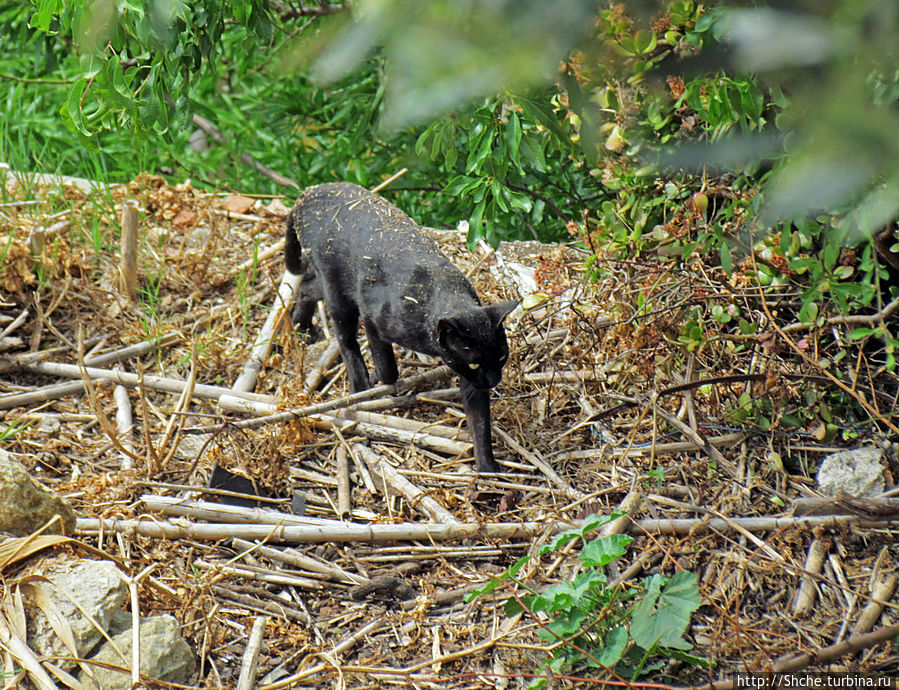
843, 272
616, 643
644, 41
71, 110
510, 573
545, 117
727, 264
44, 15
591, 522
600, 552
661, 616
513, 132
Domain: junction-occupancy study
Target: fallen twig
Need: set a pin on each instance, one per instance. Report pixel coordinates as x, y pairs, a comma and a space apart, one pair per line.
387, 478
808, 589
200, 390
880, 595
542, 466
337, 403
287, 291
247, 678
124, 424
128, 265
337, 531
219, 138
344, 504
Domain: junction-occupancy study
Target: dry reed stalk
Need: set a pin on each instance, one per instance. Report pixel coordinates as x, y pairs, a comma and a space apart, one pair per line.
393, 555
325, 361
845, 505
298, 560
347, 400
220, 512
344, 495
724, 441
261, 257
379, 432
853, 645
312, 476
285, 296
11, 343
270, 577
449, 432
124, 424
128, 265
336, 531
579, 376
629, 505
247, 678
15, 323
540, 464
393, 482
275, 608
880, 595
161, 383
58, 390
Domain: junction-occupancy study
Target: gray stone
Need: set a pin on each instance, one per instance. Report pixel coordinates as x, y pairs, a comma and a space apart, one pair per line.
854, 472
27, 506
97, 588
164, 656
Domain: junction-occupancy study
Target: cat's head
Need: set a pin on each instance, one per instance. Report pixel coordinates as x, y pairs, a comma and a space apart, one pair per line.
473, 343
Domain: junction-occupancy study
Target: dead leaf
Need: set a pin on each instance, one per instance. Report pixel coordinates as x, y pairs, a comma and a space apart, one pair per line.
238, 204
185, 219
276, 207
18, 549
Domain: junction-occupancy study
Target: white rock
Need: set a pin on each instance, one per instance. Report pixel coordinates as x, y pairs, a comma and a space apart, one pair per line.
855, 472
97, 588
164, 656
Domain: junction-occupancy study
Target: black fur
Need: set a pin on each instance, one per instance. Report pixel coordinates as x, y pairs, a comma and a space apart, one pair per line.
368, 259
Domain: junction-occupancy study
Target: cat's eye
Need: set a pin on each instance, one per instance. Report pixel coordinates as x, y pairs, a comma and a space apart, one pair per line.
473, 365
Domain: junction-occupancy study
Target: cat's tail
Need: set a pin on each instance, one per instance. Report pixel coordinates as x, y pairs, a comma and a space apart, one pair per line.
293, 252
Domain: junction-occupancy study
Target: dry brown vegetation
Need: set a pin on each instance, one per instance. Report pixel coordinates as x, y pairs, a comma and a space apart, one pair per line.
597, 399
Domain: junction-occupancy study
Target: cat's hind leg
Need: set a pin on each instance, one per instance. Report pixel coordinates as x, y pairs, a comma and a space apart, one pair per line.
309, 294
345, 315
382, 355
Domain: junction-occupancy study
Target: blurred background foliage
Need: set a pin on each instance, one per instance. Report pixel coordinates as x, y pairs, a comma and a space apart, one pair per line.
651, 129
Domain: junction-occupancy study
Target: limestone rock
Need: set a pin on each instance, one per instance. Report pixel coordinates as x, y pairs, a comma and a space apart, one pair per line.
97, 588
27, 506
855, 472
164, 655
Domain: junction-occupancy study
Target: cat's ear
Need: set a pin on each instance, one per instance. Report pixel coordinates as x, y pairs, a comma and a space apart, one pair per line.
498, 312
447, 331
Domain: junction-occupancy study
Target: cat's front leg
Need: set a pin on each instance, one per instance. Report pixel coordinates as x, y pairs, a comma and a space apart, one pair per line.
381, 354
477, 411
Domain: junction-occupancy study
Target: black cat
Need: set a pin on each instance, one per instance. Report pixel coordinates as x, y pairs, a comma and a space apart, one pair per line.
367, 258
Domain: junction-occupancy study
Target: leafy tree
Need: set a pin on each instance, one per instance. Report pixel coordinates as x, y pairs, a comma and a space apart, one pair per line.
522, 146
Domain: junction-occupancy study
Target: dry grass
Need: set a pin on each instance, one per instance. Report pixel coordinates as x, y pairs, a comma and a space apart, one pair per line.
579, 354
